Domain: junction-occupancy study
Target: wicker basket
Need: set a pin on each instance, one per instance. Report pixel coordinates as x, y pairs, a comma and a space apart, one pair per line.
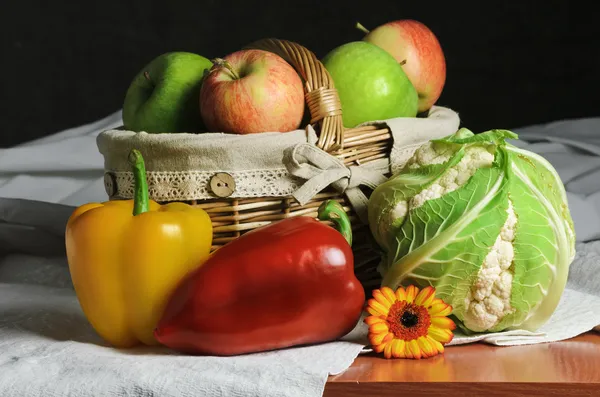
233, 217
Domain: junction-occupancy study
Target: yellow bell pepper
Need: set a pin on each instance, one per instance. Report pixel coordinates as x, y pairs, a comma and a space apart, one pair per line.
126, 257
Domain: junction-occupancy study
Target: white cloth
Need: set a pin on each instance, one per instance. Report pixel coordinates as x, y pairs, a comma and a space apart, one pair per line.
48, 348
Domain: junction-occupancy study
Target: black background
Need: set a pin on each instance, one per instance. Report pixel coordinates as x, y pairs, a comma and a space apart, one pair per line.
514, 63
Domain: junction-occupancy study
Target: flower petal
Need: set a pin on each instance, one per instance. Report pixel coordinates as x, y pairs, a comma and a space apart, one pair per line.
411, 293
414, 349
379, 297
376, 338
443, 323
426, 296
370, 320
378, 307
436, 345
401, 294
389, 294
379, 327
387, 351
373, 312
389, 337
398, 348
379, 348
407, 351
426, 347
441, 309
441, 335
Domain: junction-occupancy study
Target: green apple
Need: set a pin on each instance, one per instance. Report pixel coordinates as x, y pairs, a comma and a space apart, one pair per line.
418, 50
164, 96
371, 84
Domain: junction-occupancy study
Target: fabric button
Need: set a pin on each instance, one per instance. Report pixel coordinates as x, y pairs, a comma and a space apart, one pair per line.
222, 184
110, 184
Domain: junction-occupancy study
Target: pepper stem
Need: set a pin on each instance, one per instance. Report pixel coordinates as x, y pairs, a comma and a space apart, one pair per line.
359, 26
140, 190
331, 210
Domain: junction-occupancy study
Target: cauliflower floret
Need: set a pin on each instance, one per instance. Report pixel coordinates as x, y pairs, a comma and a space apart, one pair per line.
494, 305
505, 253
432, 192
485, 282
399, 210
488, 300
475, 157
429, 153
502, 287
479, 311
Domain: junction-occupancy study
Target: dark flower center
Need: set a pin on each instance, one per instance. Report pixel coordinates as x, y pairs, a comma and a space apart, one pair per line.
409, 319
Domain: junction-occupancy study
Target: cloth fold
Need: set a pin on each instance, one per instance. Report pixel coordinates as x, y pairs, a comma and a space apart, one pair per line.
319, 169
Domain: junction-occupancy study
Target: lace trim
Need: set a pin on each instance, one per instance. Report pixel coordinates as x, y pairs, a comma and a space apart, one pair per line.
164, 186
195, 185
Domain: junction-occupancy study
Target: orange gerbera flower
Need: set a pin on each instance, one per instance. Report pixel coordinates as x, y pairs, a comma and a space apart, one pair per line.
408, 323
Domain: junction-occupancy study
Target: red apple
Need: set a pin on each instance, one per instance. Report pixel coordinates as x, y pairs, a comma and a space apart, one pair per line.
414, 46
252, 91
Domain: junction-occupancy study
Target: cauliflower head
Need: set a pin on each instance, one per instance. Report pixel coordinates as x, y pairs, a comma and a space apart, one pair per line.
484, 222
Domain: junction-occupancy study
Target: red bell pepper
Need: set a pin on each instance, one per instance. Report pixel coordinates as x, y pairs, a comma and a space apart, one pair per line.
287, 284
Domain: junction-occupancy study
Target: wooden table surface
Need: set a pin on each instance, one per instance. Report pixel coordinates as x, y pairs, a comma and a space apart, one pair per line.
566, 368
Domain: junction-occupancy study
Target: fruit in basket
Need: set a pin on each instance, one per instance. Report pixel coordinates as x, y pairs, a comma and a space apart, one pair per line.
163, 96
252, 91
417, 48
370, 83
286, 284
485, 223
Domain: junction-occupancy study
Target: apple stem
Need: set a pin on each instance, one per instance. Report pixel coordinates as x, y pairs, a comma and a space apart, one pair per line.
147, 76
220, 62
359, 26
403, 62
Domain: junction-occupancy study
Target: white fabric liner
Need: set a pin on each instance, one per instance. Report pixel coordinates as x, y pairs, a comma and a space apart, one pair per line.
179, 166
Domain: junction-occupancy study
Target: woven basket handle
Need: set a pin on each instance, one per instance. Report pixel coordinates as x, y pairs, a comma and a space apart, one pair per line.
321, 96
